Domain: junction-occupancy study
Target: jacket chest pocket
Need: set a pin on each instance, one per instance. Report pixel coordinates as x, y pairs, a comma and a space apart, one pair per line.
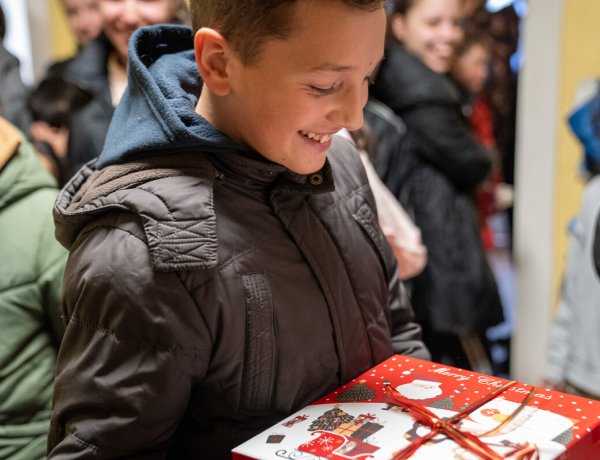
259, 356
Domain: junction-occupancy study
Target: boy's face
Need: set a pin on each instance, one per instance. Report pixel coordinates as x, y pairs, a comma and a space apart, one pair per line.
303, 89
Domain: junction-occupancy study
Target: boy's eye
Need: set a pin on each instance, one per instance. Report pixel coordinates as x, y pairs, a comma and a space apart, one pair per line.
329, 90
321, 91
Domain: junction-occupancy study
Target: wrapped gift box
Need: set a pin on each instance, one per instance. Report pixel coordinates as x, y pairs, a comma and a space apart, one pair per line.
357, 421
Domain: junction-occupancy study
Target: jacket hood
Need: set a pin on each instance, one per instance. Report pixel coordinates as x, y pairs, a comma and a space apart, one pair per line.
163, 88
20, 170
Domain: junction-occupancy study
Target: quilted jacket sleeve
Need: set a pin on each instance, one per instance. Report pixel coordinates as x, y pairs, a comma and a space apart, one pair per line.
133, 345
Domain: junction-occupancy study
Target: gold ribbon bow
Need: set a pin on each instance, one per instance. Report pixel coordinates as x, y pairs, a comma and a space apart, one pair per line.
449, 427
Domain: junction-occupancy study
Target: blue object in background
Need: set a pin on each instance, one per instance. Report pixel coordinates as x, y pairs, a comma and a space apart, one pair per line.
584, 121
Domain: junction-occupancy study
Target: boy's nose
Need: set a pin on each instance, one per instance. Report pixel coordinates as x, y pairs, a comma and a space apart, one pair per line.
350, 107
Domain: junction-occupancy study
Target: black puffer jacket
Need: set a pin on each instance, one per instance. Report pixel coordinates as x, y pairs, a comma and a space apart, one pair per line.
209, 292
433, 172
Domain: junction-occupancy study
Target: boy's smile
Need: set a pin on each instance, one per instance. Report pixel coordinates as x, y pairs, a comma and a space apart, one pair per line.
304, 88
320, 142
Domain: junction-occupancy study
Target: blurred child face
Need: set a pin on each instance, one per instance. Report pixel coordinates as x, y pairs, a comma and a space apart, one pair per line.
57, 138
471, 68
123, 17
306, 87
431, 31
84, 19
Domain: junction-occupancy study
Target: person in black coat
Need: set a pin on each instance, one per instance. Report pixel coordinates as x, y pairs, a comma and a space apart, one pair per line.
434, 174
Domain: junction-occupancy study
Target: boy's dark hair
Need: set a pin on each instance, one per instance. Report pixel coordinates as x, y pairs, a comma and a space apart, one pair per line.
54, 100
248, 24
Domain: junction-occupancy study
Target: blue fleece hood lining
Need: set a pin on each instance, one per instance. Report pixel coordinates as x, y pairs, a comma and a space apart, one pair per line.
157, 113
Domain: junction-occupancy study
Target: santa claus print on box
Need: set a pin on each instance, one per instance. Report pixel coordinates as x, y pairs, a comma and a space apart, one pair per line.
357, 421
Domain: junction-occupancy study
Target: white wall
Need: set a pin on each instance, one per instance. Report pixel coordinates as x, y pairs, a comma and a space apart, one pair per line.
17, 39
535, 183
41, 36
29, 36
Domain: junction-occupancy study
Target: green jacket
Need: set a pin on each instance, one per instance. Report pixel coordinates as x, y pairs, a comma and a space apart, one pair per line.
31, 271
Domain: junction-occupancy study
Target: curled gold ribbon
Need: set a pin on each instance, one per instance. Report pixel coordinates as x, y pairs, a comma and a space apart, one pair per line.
448, 427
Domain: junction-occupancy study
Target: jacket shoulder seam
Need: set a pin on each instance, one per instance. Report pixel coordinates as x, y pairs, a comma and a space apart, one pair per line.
83, 443
113, 226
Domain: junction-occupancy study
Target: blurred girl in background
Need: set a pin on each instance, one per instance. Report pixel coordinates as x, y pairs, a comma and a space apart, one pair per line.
455, 298
100, 69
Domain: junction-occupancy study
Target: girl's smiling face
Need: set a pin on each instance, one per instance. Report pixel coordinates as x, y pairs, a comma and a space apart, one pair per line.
304, 88
430, 30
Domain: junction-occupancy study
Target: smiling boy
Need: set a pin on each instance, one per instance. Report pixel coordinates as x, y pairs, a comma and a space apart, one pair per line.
226, 265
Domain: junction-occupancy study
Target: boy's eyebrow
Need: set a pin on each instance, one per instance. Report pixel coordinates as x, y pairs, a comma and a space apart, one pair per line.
333, 67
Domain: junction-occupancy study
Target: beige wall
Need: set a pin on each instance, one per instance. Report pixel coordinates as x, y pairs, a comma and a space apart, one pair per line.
579, 59
49, 34
63, 43
535, 177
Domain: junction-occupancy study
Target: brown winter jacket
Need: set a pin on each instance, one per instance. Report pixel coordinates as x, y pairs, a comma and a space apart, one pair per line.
209, 296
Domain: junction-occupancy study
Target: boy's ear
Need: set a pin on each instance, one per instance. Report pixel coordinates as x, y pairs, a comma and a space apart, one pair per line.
212, 57
397, 26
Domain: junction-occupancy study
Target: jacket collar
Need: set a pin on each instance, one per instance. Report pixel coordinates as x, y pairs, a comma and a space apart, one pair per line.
256, 172
89, 68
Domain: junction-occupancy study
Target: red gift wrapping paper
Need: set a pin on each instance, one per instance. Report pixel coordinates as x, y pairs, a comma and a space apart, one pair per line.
359, 420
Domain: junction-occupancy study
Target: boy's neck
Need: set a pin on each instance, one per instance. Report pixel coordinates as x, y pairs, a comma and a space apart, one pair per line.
209, 108
204, 107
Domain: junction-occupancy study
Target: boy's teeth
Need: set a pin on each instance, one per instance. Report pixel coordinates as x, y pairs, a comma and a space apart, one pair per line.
322, 138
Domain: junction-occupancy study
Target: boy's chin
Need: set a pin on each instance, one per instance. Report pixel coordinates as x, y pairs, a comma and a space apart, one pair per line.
307, 169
